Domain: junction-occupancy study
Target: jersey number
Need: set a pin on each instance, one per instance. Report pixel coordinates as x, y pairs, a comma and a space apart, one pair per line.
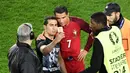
69, 43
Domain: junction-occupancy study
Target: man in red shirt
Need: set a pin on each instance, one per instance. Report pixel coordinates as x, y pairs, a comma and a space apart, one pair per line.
70, 45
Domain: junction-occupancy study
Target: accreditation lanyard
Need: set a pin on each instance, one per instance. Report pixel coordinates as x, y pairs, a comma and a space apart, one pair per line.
121, 24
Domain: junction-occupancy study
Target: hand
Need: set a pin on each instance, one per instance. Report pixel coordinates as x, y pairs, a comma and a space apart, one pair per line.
82, 55
59, 36
41, 37
92, 35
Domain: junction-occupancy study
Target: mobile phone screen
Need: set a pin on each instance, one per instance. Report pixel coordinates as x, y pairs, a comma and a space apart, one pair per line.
60, 29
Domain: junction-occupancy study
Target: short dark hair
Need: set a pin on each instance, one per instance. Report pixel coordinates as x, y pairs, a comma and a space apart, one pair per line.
60, 9
100, 18
49, 18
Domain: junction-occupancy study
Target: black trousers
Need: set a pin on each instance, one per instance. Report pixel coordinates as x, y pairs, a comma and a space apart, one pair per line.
57, 71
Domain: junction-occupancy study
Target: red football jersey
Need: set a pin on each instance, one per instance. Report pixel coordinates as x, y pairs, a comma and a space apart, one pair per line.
71, 42
70, 45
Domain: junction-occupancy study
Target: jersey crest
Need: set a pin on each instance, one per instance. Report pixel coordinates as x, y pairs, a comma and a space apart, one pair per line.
75, 33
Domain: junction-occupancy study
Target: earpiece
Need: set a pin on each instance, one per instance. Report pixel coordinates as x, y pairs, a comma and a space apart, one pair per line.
31, 33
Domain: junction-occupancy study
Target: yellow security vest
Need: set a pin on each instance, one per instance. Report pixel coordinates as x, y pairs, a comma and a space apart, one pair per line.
114, 54
125, 30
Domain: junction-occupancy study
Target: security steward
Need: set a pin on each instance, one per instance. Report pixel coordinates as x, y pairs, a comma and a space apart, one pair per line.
108, 53
115, 18
21, 57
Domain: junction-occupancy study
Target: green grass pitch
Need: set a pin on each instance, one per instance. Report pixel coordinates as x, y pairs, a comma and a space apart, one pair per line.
15, 12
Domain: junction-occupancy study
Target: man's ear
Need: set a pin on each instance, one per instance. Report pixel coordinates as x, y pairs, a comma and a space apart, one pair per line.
44, 26
118, 14
100, 26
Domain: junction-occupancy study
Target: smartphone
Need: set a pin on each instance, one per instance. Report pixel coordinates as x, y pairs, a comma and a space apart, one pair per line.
60, 29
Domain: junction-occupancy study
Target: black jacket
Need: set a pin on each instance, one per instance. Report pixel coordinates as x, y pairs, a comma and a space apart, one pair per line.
22, 59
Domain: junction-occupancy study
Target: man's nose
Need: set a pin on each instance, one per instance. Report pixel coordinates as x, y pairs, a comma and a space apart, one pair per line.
61, 20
